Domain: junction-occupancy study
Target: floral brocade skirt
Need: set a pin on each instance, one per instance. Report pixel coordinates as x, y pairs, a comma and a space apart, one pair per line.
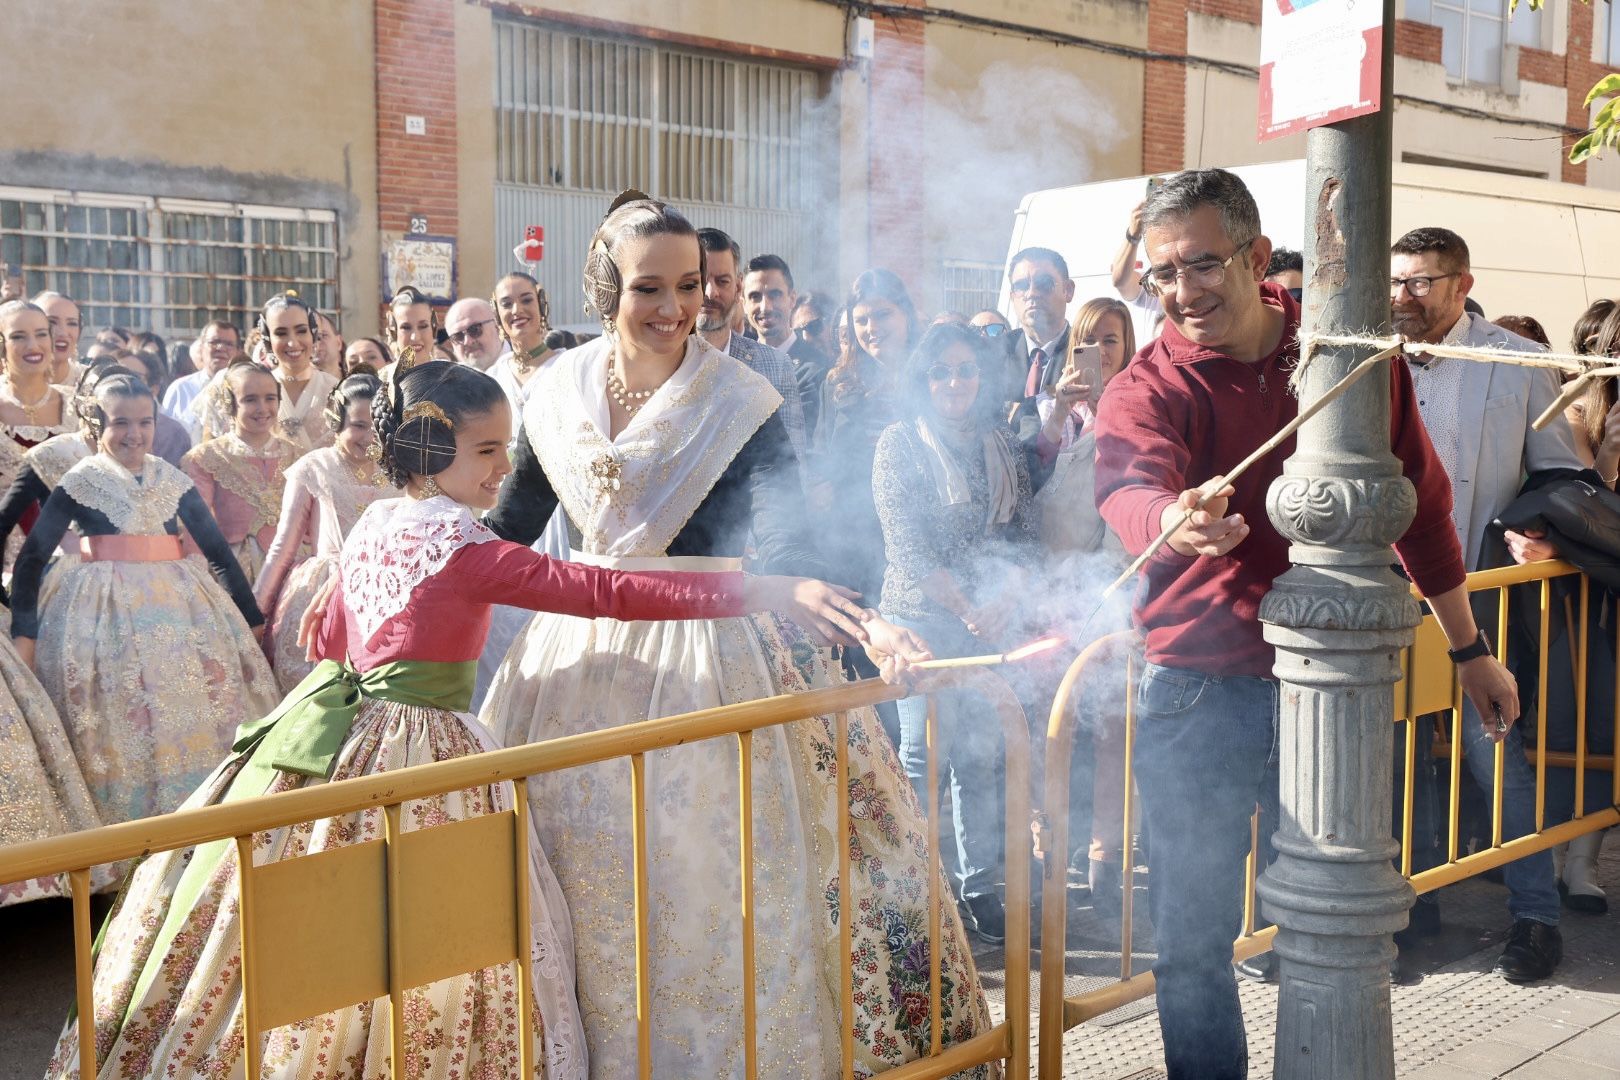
152, 669
168, 985
42, 791
565, 676
303, 583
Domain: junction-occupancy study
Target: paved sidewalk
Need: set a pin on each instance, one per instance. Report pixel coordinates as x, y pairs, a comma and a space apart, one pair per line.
1459, 1020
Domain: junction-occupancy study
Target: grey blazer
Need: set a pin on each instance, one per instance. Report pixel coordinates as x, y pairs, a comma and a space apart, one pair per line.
1497, 446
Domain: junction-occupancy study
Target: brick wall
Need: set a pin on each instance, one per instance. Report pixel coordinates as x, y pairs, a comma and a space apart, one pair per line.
895, 148
1580, 74
416, 76
1417, 40
1164, 87
1237, 10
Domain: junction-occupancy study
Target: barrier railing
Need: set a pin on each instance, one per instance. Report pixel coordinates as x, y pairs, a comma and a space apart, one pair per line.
419, 878
1428, 686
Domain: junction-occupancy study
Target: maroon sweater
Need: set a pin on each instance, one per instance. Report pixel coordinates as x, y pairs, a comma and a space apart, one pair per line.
1180, 414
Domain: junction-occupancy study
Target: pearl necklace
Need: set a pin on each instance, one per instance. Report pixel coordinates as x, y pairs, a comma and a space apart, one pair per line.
629, 400
9, 395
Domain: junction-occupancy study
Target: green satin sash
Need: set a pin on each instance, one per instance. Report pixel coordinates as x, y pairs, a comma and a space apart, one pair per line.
303, 735
305, 732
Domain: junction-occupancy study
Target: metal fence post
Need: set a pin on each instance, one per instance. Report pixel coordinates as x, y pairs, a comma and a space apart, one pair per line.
1338, 619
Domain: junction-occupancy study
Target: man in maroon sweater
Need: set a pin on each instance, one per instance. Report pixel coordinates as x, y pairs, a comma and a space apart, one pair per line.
1192, 404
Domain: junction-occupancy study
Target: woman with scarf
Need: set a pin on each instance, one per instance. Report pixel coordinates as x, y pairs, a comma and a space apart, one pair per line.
953, 496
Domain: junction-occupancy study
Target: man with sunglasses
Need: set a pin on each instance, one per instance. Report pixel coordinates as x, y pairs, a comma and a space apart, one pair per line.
1041, 290
474, 341
1190, 406
1479, 419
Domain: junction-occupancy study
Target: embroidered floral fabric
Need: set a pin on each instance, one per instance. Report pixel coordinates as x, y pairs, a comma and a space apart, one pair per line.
136, 507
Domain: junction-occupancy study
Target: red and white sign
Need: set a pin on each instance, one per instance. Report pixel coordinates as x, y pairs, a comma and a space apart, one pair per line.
533, 248
1319, 63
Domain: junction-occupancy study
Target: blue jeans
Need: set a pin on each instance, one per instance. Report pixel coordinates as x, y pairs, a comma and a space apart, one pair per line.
1205, 755
970, 757
1532, 886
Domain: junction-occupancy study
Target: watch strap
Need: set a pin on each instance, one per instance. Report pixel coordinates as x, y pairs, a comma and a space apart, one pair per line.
1480, 647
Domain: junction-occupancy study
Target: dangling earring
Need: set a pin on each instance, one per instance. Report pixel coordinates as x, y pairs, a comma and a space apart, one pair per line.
429, 489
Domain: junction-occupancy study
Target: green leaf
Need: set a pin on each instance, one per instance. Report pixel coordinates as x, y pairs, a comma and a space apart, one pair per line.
1582, 148
1605, 115
1607, 86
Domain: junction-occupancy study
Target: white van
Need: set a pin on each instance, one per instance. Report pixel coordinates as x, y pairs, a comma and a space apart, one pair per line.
1539, 248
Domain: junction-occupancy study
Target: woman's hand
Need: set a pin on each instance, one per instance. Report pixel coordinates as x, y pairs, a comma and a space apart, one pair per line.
1069, 392
894, 650
992, 621
829, 612
309, 627
25, 650
1608, 451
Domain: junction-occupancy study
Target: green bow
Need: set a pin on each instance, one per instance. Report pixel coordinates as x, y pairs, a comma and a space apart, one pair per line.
306, 731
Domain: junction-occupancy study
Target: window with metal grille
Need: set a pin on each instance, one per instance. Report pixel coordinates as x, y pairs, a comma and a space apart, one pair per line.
970, 287
168, 265
595, 114
1475, 31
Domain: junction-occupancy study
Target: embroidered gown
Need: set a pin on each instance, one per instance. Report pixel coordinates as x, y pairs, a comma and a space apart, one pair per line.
148, 661
703, 460
323, 500
242, 488
417, 582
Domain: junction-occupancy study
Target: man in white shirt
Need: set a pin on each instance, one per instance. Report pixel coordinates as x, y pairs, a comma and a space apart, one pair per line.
473, 338
768, 300
216, 345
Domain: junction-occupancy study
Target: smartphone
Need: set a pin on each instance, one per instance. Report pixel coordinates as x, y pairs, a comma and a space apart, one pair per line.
1088, 360
1154, 183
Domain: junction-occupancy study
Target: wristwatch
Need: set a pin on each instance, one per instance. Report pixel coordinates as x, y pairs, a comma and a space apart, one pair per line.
1480, 647
1133, 239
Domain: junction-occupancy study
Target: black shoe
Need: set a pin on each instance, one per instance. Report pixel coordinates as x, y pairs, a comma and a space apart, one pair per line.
1260, 968
1106, 888
1533, 951
989, 922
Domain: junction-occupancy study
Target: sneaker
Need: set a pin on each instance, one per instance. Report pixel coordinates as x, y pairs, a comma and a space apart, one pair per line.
1533, 950
989, 919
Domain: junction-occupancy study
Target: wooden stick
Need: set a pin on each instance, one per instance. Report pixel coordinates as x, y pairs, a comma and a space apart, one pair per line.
988, 660
1211, 486
1572, 390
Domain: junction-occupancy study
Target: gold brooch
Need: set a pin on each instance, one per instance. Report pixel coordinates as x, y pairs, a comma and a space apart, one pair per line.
428, 409
605, 470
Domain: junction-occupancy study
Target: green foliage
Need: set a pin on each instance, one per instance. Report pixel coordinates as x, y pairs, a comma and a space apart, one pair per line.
1605, 131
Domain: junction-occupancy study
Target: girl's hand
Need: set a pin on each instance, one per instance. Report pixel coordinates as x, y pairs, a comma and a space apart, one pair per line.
309, 627
829, 612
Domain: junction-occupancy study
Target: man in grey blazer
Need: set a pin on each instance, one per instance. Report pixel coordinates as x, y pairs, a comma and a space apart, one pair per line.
1478, 417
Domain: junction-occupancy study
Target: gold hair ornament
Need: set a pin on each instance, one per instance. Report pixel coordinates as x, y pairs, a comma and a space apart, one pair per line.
428, 409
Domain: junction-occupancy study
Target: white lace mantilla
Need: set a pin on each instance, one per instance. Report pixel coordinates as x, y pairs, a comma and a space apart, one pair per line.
135, 506
398, 544
631, 495
52, 458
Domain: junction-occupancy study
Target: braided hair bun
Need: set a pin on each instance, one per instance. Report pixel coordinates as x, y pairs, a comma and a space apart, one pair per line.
362, 386
417, 421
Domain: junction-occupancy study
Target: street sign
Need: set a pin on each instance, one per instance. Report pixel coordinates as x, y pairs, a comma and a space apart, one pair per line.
1319, 63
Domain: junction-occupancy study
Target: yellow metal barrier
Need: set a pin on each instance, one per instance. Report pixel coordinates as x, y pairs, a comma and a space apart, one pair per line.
1428, 685
386, 896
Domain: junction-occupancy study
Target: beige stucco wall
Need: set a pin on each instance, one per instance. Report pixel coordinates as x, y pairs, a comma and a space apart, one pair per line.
258, 101
475, 149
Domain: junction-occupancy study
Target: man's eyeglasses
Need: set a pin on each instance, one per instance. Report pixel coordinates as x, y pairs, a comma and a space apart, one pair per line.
811, 329
1203, 274
475, 330
1024, 286
944, 372
1420, 285
992, 330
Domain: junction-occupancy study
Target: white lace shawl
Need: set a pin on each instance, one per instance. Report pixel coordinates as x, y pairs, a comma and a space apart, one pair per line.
136, 507
631, 496
398, 544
